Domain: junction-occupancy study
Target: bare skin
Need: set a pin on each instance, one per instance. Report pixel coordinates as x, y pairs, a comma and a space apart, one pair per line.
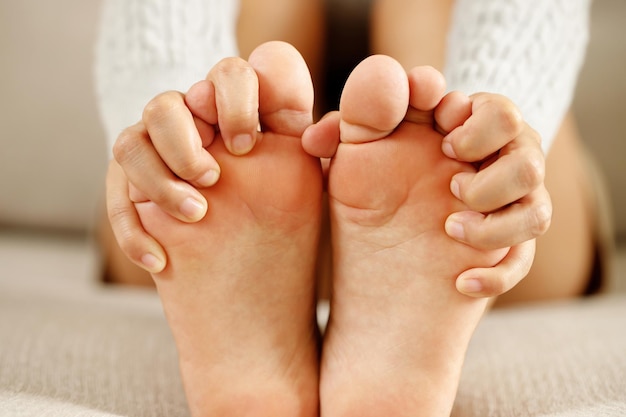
399, 329
564, 254
388, 37
238, 290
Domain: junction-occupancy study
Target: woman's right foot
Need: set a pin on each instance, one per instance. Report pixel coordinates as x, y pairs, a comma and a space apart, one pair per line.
398, 328
239, 290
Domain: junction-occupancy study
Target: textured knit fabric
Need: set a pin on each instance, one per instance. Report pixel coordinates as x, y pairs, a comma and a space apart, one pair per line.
146, 47
528, 50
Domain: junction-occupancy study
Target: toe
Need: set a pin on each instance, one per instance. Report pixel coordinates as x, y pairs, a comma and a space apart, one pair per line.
285, 88
427, 87
374, 100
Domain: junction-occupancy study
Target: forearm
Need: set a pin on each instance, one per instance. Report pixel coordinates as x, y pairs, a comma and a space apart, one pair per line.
530, 51
144, 49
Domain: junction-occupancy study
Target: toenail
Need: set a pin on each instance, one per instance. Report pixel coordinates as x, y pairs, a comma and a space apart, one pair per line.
242, 144
192, 209
448, 150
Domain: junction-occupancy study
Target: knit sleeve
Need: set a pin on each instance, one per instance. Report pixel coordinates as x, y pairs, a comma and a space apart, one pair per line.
145, 47
528, 50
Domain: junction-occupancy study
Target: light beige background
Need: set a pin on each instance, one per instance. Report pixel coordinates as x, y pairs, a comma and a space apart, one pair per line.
52, 151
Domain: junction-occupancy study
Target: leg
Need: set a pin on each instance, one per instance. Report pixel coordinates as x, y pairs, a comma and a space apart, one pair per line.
399, 25
239, 291
300, 23
398, 329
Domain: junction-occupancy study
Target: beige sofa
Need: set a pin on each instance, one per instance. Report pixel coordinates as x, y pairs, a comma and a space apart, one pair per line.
72, 347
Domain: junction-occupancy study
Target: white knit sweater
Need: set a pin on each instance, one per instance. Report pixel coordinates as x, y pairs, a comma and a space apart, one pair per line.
528, 50
146, 47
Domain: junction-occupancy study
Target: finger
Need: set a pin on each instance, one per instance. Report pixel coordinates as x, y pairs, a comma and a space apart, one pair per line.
524, 220
145, 169
517, 171
494, 122
497, 280
453, 110
141, 248
177, 140
237, 103
322, 139
200, 99
285, 88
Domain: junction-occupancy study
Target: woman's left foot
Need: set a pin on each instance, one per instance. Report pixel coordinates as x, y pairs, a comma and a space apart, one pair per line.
398, 329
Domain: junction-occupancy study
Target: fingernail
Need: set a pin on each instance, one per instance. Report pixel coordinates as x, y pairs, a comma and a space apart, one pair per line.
455, 189
192, 209
152, 263
209, 178
242, 144
469, 286
455, 230
448, 150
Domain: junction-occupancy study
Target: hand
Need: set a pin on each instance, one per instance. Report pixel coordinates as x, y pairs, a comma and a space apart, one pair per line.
509, 202
163, 157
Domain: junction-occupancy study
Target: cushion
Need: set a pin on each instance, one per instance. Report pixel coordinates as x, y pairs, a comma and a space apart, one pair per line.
70, 346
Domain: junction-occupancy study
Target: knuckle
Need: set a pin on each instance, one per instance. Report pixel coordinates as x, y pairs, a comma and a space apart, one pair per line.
190, 169
160, 106
236, 85
126, 147
118, 215
509, 118
540, 219
125, 235
234, 66
531, 172
161, 195
241, 118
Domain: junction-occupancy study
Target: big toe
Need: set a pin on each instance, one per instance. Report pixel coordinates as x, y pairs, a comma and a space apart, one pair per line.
285, 88
374, 100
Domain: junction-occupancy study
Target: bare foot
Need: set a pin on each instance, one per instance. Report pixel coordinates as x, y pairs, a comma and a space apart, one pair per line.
398, 328
239, 290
